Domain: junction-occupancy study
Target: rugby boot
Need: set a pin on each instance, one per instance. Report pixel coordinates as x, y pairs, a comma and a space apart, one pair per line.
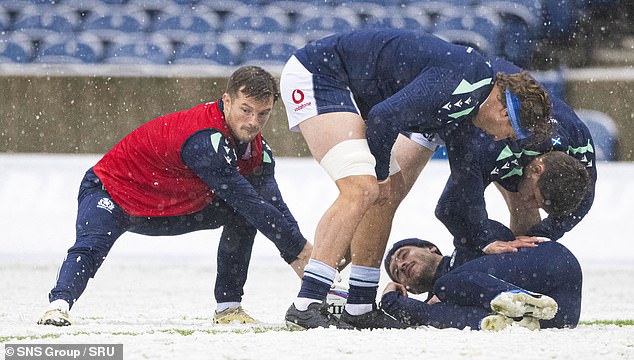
375, 319
497, 322
235, 315
520, 303
315, 316
57, 317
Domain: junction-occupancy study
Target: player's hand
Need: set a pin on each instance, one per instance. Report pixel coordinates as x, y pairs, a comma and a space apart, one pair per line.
392, 286
500, 247
385, 187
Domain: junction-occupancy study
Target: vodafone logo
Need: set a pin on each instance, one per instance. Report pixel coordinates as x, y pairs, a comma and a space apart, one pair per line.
298, 96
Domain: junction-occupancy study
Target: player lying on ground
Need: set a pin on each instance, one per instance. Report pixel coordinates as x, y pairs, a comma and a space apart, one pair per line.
533, 287
351, 95
203, 168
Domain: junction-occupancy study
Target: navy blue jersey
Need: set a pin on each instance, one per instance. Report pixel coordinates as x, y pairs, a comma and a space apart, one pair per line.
402, 81
476, 161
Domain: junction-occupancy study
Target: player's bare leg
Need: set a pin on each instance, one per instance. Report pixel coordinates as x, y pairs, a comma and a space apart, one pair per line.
371, 237
337, 142
522, 217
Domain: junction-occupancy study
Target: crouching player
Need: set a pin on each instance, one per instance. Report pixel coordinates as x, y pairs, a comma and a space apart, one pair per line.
535, 287
203, 168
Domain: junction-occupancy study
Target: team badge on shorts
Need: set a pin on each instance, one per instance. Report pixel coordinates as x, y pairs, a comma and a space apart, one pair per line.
106, 204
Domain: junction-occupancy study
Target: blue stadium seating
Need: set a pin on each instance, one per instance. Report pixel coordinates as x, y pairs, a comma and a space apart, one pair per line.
462, 28
560, 18
521, 23
207, 53
147, 51
116, 22
67, 49
395, 21
510, 28
248, 28
41, 20
5, 19
178, 27
604, 133
16, 48
314, 27
268, 54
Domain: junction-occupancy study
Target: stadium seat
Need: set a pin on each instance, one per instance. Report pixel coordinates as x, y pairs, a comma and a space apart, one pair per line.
207, 53
153, 50
42, 20
317, 26
482, 22
268, 54
68, 49
467, 38
604, 133
245, 28
521, 28
560, 18
178, 27
420, 22
5, 19
16, 48
109, 25
434, 10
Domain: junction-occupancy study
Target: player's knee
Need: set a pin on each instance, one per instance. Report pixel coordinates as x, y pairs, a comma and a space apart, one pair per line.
349, 158
359, 190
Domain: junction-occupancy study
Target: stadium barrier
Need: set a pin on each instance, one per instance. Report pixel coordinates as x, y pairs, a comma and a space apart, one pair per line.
71, 113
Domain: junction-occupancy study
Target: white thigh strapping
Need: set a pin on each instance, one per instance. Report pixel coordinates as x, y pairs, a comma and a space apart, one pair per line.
348, 158
394, 167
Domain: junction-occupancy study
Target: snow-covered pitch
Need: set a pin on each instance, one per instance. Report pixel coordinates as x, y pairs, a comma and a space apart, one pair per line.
155, 294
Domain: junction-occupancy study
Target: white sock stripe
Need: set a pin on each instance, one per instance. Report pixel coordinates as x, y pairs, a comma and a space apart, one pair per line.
364, 276
320, 271
318, 277
363, 283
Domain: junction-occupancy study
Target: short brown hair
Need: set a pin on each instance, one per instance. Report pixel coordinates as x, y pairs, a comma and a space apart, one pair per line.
535, 106
253, 82
563, 184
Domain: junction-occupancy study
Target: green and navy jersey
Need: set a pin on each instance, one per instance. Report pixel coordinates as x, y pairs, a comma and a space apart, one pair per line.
476, 161
401, 81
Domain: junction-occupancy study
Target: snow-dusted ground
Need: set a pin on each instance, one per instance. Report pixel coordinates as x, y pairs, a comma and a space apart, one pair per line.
155, 295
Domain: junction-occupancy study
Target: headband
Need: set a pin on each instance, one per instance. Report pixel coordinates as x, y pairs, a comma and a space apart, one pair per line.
513, 110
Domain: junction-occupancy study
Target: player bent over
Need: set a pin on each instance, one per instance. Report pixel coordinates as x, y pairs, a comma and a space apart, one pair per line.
351, 95
203, 168
536, 287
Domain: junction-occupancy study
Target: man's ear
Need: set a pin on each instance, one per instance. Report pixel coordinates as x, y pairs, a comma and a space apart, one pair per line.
537, 166
226, 98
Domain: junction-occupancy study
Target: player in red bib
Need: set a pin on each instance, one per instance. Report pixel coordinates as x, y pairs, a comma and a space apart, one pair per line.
202, 168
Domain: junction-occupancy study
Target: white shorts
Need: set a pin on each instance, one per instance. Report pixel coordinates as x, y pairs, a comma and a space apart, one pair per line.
428, 141
306, 95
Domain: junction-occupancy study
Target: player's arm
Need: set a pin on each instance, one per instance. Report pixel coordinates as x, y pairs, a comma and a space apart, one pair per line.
216, 166
405, 309
461, 207
265, 184
412, 108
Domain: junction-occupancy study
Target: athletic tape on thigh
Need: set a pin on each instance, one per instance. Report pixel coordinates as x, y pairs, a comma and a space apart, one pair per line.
350, 157
394, 167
